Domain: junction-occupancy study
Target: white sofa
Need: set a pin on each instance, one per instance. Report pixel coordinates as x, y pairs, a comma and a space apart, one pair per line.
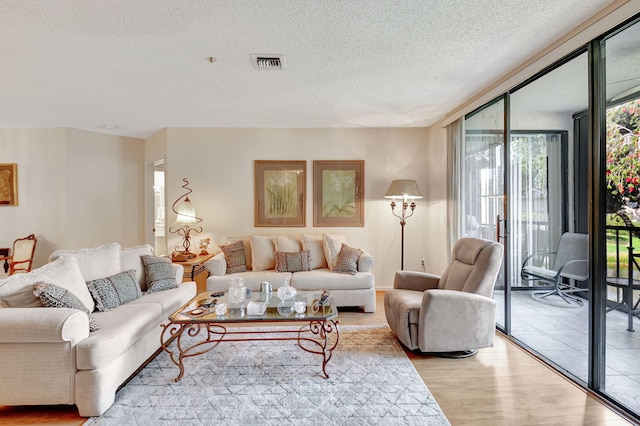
354, 290
48, 354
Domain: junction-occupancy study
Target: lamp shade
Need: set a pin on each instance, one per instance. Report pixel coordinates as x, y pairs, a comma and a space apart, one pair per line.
403, 188
186, 213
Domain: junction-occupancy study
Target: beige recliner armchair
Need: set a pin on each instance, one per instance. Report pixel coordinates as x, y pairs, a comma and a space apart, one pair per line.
455, 314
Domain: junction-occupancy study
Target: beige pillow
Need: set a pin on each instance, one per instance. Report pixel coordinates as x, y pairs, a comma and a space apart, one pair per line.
16, 291
313, 243
94, 262
262, 253
288, 244
332, 243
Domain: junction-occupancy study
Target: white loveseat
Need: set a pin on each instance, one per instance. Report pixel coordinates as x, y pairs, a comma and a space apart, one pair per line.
355, 289
48, 354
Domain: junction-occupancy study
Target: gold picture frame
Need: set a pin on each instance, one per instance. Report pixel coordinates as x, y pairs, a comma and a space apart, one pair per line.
9, 184
280, 193
338, 193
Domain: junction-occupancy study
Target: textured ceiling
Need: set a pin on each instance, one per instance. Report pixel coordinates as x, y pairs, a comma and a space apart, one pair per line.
143, 65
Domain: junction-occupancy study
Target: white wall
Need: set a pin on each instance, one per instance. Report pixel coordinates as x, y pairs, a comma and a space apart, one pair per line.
76, 189
219, 165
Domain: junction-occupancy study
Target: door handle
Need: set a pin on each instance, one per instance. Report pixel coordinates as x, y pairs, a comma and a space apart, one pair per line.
498, 236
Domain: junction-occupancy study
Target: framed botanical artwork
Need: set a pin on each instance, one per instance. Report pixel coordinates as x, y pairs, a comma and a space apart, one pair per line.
280, 193
338, 193
9, 184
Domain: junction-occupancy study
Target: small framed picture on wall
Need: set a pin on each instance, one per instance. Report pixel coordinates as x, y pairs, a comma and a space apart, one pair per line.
338, 193
9, 184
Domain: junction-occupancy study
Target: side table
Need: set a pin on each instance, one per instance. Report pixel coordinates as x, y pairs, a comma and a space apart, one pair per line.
194, 270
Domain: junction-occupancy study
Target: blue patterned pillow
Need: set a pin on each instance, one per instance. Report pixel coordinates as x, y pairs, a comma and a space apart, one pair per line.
115, 290
53, 296
158, 273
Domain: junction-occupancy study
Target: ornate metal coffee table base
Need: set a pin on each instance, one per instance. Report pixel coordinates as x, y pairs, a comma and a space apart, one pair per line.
317, 336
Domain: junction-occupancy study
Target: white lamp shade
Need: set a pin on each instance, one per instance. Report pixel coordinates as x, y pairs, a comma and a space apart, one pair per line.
406, 189
186, 213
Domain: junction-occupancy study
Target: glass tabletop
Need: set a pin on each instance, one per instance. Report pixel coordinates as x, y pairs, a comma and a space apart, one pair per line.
215, 307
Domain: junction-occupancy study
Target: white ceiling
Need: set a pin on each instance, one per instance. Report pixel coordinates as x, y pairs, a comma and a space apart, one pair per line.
142, 65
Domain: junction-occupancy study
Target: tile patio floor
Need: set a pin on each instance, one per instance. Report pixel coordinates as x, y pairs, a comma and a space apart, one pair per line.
561, 335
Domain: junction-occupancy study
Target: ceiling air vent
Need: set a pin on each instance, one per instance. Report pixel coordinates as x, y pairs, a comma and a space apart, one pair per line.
267, 62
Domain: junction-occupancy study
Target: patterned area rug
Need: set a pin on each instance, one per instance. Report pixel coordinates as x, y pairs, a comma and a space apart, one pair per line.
372, 382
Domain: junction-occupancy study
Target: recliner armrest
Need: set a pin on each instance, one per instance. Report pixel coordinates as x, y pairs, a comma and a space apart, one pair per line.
456, 320
412, 280
25, 325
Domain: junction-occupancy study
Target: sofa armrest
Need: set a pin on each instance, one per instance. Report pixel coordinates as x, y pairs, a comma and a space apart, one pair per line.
217, 265
365, 262
419, 281
29, 325
178, 270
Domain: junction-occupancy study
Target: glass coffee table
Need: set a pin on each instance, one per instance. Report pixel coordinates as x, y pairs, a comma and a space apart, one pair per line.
316, 329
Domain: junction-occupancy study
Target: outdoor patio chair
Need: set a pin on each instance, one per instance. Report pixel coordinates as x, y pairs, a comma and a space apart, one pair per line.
570, 261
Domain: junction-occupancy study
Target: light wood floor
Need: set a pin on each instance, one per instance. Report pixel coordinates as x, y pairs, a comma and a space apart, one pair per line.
502, 385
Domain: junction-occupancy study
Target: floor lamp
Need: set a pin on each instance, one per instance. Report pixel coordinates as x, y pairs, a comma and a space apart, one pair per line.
406, 190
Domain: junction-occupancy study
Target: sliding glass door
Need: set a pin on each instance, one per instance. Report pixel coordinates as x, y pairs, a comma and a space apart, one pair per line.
561, 153
482, 183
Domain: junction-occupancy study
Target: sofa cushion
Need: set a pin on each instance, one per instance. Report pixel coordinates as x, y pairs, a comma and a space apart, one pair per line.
347, 260
113, 291
53, 296
321, 279
262, 253
16, 291
234, 256
118, 330
130, 259
158, 273
292, 262
169, 300
314, 244
332, 243
95, 262
288, 244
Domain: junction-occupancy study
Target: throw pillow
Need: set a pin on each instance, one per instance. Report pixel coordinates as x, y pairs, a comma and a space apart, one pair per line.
95, 262
16, 291
313, 243
288, 244
332, 245
347, 260
263, 253
292, 262
53, 296
235, 257
130, 259
158, 273
246, 242
115, 290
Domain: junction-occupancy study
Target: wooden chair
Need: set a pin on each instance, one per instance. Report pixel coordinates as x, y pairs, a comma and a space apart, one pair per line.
21, 257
